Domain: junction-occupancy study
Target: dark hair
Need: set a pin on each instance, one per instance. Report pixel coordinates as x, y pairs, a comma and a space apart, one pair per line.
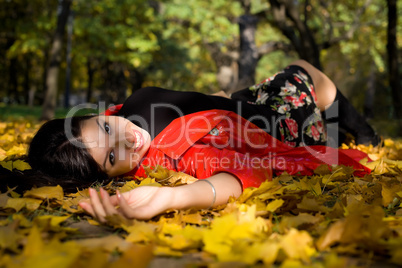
57, 160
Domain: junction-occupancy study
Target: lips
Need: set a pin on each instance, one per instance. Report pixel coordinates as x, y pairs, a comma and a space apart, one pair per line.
139, 141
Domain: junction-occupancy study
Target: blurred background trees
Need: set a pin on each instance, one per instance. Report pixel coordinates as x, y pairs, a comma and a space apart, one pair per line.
119, 46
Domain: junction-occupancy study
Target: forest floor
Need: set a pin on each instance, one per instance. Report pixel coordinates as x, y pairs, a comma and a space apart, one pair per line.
330, 219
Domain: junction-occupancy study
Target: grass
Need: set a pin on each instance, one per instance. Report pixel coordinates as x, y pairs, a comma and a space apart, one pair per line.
15, 112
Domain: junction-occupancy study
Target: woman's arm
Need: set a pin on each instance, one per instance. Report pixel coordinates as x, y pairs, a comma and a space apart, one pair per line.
146, 202
200, 194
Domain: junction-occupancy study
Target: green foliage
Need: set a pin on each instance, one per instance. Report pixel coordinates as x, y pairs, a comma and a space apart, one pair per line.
194, 24
25, 34
29, 37
166, 41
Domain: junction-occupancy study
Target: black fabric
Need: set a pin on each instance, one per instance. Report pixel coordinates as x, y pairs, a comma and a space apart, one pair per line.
283, 105
350, 120
153, 108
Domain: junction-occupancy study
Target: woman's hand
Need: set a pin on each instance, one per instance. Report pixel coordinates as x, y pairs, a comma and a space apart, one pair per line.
141, 203
147, 201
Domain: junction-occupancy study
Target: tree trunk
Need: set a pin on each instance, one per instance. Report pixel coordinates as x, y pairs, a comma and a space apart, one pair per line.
227, 66
13, 81
392, 50
49, 104
249, 56
114, 87
68, 60
27, 80
121, 83
90, 72
236, 68
136, 79
370, 93
287, 19
44, 75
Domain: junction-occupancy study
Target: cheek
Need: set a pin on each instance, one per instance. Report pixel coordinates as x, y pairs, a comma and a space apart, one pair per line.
127, 161
124, 161
134, 159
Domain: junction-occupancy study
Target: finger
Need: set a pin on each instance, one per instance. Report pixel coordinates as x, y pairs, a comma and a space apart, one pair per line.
113, 200
97, 205
107, 205
87, 207
125, 209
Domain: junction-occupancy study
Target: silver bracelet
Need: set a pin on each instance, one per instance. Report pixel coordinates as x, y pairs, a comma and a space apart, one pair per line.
213, 192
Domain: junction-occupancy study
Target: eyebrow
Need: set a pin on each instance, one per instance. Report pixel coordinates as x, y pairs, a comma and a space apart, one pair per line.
104, 161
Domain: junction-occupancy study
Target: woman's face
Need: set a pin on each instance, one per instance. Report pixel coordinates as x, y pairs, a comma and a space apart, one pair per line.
115, 143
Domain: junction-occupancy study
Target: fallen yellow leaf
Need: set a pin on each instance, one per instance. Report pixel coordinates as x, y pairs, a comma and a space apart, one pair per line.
47, 192
274, 205
21, 165
20, 203
7, 164
298, 245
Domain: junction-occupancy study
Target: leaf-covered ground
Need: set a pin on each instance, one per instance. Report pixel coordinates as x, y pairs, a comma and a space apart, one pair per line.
331, 219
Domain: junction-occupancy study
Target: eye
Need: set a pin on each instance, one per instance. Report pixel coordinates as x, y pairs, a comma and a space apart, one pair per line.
107, 128
111, 158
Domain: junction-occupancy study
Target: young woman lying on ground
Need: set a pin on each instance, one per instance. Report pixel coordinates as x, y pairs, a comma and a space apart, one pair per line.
228, 143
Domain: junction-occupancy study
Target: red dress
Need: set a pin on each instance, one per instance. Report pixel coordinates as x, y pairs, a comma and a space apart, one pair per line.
209, 142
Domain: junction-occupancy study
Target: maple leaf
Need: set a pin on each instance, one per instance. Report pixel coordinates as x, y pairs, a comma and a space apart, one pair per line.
138, 256
389, 191
298, 245
71, 201
9, 238
47, 192
179, 238
168, 177
133, 184
51, 223
309, 184
228, 235
396, 250
109, 243
37, 253
17, 150
19, 203
303, 219
22, 220
274, 205
362, 226
21, 165
3, 154
3, 199
7, 164
167, 251
140, 232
